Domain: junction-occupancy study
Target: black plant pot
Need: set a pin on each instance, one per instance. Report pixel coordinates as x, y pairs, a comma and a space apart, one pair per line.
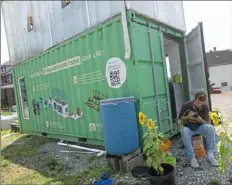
168, 177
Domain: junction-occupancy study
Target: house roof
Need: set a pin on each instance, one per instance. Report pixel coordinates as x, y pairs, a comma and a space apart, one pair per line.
7, 63
215, 58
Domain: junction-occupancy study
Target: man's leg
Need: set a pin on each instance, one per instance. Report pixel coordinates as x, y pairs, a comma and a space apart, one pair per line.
187, 140
208, 131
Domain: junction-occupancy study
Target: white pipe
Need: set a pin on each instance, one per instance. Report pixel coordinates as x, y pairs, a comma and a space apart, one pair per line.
100, 152
63, 151
125, 32
87, 14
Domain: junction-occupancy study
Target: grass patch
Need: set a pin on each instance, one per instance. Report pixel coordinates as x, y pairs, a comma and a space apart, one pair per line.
93, 172
13, 151
5, 132
6, 113
84, 177
16, 160
5, 163
22, 146
22, 175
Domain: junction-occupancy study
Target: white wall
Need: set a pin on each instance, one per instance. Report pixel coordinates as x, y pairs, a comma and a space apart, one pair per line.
173, 51
219, 74
231, 27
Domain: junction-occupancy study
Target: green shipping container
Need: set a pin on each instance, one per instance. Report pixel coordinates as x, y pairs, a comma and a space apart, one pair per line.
58, 91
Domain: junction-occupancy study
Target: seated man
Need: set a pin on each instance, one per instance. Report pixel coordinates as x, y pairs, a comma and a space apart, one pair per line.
195, 116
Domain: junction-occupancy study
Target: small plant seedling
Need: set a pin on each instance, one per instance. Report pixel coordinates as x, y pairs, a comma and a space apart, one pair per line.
214, 182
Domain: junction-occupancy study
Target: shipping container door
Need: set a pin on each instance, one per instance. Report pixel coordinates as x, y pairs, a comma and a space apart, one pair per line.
196, 63
22, 102
160, 82
151, 76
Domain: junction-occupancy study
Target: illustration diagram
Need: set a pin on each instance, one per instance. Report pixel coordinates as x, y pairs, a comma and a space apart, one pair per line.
60, 106
36, 107
57, 102
94, 101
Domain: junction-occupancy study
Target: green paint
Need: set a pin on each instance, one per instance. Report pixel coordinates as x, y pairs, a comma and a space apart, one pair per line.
72, 76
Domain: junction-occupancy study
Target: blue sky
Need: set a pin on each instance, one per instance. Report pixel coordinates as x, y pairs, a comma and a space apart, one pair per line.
215, 15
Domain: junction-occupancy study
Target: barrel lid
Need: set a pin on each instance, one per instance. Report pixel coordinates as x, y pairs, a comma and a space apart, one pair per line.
117, 100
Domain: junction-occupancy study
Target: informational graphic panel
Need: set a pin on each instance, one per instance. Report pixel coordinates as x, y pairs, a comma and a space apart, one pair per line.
115, 72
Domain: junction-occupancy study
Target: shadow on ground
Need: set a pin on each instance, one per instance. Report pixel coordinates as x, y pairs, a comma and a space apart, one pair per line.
23, 160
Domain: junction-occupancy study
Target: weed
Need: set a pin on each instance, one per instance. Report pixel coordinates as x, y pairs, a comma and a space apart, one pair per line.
84, 177
56, 167
91, 159
92, 172
52, 163
214, 182
5, 163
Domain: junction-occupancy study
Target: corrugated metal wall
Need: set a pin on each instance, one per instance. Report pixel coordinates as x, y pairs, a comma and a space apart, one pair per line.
53, 24
85, 80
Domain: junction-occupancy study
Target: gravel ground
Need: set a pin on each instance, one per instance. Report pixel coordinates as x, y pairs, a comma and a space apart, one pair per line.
202, 176
74, 161
185, 175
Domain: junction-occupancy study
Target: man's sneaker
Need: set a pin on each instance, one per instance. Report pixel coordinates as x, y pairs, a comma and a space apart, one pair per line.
194, 163
213, 161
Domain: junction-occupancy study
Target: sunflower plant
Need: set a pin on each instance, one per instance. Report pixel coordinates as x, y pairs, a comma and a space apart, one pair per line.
152, 140
216, 117
224, 145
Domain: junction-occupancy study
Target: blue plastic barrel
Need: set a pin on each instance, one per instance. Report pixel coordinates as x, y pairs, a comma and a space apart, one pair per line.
119, 121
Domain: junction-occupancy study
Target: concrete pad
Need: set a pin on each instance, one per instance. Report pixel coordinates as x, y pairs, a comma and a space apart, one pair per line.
223, 102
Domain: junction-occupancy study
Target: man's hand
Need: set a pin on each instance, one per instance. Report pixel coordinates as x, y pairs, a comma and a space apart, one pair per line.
199, 120
187, 118
191, 118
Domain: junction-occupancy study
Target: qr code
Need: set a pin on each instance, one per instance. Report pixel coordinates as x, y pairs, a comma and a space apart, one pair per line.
115, 78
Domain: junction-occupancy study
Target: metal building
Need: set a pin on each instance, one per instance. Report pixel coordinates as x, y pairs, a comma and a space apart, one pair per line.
34, 26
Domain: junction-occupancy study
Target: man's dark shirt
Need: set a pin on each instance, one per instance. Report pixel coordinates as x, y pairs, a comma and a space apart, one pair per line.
203, 112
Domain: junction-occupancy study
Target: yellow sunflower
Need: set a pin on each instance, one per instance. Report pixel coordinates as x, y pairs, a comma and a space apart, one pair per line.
150, 123
214, 117
230, 159
142, 118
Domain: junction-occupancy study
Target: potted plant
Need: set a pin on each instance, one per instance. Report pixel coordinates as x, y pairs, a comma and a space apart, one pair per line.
159, 172
224, 145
